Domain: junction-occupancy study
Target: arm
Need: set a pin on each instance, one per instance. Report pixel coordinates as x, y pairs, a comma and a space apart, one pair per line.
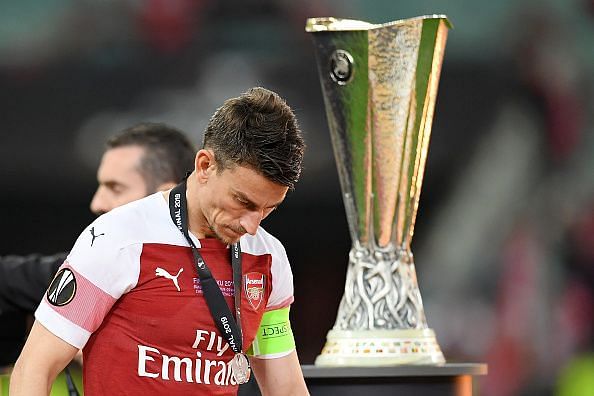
281, 376
42, 358
272, 353
24, 279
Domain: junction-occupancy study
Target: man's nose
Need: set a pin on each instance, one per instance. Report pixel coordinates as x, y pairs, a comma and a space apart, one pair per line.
99, 203
251, 220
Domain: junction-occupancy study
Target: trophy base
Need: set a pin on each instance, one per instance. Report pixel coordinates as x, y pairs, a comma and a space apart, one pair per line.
380, 348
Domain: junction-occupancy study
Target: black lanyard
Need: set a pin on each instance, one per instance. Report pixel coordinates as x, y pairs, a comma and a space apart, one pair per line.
229, 327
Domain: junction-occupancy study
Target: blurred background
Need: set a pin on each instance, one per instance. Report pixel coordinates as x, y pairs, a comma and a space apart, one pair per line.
504, 241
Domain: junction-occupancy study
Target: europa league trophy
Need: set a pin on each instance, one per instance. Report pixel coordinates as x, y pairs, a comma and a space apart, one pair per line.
379, 84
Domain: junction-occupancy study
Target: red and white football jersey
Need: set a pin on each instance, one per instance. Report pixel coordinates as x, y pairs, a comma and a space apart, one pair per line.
129, 295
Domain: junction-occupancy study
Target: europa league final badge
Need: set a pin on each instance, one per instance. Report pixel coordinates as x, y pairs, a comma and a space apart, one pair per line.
240, 367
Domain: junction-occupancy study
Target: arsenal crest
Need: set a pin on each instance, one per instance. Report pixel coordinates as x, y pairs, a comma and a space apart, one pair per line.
253, 284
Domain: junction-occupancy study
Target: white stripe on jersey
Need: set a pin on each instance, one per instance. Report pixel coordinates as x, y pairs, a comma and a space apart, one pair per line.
61, 327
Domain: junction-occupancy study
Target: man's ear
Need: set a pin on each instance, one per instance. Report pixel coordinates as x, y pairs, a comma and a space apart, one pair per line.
204, 165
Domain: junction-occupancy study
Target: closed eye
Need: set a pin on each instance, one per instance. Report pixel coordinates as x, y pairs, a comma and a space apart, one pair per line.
249, 205
246, 203
242, 200
114, 186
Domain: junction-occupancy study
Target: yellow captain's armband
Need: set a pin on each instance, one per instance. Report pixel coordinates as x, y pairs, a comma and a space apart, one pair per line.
275, 337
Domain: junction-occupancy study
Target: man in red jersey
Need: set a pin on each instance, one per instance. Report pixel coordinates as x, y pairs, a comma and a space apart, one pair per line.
169, 293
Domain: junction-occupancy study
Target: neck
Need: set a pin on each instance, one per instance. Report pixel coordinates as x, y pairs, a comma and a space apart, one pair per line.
197, 223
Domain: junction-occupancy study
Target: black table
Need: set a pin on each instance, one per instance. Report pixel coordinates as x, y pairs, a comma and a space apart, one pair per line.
455, 379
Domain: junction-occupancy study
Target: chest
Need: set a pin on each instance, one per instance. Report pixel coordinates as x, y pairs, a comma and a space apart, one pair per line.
167, 308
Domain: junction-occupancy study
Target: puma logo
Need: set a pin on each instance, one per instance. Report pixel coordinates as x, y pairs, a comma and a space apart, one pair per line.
161, 272
92, 230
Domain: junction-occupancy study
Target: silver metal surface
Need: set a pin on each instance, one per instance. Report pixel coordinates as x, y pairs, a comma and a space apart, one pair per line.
379, 84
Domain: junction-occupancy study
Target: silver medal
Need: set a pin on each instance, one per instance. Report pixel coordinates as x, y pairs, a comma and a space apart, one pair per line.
240, 367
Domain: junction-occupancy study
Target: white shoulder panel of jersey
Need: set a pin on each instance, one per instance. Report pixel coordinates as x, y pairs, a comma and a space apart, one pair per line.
282, 277
108, 251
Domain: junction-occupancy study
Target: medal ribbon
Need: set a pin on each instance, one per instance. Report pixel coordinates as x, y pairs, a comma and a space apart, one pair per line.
229, 327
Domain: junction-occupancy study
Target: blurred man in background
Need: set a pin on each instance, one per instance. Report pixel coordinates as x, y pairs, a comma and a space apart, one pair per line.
141, 160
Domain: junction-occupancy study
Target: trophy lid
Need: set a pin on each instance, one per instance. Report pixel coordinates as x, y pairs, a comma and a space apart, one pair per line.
331, 24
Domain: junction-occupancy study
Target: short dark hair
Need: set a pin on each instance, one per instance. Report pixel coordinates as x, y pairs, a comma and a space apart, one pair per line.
168, 153
259, 130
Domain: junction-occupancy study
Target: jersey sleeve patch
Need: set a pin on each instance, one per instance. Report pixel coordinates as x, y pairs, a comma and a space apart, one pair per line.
62, 289
77, 299
275, 337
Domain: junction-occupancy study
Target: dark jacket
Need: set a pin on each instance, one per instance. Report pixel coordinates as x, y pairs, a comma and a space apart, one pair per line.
24, 280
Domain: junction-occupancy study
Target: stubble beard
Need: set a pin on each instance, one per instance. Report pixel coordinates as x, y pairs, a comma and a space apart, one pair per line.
221, 238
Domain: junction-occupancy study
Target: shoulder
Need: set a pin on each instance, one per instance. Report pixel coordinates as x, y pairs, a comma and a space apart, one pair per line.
143, 221
115, 240
126, 224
